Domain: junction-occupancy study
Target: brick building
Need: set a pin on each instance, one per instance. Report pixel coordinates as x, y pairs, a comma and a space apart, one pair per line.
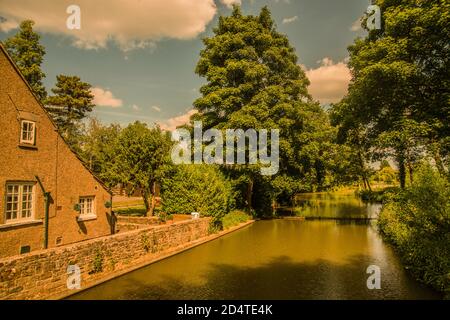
34, 158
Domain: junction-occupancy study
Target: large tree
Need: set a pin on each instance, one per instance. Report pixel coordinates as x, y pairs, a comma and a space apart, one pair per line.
28, 54
97, 147
140, 156
71, 102
254, 81
401, 81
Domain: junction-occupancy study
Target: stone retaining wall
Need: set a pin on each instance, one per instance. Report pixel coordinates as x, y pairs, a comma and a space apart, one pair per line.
138, 220
126, 223
43, 274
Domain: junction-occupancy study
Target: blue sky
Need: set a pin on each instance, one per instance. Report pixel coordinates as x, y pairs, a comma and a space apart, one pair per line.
141, 58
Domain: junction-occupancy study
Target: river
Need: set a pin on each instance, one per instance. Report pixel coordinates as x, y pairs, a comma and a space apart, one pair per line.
279, 259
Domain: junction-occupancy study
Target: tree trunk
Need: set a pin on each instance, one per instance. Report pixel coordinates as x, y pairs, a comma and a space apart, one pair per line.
438, 160
410, 171
249, 195
363, 172
368, 183
145, 197
401, 171
153, 201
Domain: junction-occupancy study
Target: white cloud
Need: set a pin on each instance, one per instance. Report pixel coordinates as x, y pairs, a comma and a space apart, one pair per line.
229, 3
156, 108
105, 98
329, 82
290, 20
172, 123
135, 107
130, 24
356, 26
7, 25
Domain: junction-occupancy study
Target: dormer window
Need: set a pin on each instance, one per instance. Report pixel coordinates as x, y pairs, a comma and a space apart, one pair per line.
28, 132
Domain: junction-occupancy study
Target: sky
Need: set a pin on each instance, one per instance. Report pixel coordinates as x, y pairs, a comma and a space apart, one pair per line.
140, 55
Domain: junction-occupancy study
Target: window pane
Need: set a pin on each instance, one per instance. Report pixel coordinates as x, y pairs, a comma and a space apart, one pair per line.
27, 132
19, 201
87, 205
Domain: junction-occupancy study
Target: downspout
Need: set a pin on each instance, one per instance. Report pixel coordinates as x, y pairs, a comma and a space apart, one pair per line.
113, 216
46, 205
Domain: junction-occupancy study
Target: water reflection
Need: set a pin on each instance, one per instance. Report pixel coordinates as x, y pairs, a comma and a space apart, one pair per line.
275, 259
331, 205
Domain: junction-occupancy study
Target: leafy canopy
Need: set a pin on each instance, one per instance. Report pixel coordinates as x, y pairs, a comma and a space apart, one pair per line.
26, 51
197, 188
254, 81
140, 155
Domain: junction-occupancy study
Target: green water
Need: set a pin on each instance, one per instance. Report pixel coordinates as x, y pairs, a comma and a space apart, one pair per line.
278, 259
332, 205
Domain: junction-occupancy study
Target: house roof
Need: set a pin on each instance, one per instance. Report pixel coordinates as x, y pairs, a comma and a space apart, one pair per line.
3, 50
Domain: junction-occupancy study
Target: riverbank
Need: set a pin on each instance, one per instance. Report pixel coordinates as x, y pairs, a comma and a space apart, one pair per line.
416, 222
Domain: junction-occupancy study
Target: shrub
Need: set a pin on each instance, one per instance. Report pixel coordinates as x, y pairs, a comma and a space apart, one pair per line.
97, 263
146, 243
197, 188
417, 222
132, 211
378, 195
234, 218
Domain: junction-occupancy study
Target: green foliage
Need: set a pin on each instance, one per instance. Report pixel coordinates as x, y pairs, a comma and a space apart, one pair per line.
215, 226
197, 188
71, 102
133, 211
247, 61
146, 243
380, 196
398, 100
234, 218
26, 51
417, 222
97, 148
254, 81
385, 175
162, 216
97, 263
139, 157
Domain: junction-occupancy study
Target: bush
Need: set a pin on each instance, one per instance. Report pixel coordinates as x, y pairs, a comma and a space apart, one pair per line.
417, 222
379, 196
197, 188
132, 211
234, 218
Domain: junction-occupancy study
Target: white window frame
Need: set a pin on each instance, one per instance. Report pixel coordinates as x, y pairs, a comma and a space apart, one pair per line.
19, 211
84, 213
32, 140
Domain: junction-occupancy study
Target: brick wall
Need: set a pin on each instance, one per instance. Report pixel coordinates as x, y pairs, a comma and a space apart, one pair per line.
43, 274
60, 171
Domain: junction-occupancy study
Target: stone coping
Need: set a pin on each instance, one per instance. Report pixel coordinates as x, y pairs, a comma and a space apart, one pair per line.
70, 246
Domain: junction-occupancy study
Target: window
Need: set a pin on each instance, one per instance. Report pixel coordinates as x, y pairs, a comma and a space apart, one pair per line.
19, 202
87, 206
28, 132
